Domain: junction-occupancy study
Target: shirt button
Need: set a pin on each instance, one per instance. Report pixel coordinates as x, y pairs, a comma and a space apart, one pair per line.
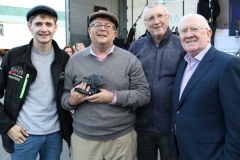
178, 112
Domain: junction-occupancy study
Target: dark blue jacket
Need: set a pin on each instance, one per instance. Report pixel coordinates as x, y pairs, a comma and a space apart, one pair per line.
207, 116
160, 66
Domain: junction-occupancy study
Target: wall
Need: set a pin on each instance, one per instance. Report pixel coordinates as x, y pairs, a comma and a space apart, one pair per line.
13, 18
175, 10
80, 10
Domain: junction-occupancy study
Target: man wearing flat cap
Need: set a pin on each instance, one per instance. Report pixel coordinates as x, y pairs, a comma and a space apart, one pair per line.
32, 120
103, 123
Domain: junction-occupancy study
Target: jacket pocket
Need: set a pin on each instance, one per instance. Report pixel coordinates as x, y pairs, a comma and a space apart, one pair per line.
211, 137
202, 84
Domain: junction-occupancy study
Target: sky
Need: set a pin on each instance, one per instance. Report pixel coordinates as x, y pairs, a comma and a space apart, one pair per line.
58, 5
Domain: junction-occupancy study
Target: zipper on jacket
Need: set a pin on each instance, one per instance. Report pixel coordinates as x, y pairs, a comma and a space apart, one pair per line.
70, 155
24, 86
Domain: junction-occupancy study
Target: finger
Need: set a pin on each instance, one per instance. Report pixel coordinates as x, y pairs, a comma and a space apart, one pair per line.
88, 89
20, 141
83, 84
94, 101
92, 97
25, 133
72, 90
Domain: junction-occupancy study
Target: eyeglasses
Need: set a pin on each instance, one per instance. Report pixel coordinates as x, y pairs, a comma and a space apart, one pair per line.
107, 26
191, 29
152, 19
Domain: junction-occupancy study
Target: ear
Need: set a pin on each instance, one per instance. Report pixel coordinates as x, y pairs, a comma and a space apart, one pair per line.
115, 33
168, 18
145, 24
29, 26
55, 28
89, 31
209, 33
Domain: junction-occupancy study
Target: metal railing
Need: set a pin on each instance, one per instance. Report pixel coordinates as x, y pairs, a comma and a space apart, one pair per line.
238, 40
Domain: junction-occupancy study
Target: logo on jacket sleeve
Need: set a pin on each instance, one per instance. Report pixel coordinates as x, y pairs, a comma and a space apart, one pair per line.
16, 73
61, 76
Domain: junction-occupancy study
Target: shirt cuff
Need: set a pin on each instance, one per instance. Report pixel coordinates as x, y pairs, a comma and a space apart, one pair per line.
114, 99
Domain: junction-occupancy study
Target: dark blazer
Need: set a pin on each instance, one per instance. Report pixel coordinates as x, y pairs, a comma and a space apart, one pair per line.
204, 10
207, 117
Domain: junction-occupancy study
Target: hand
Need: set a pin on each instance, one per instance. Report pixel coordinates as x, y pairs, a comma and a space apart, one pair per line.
17, 134
210, 20
75, 97
104, 96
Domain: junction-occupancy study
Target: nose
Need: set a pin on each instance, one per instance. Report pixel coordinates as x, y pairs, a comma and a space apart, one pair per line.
189, 33
103, 27
44, 27
156, 20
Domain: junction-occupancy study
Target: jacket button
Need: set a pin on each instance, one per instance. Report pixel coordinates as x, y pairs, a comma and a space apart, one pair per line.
178, 112
172, 130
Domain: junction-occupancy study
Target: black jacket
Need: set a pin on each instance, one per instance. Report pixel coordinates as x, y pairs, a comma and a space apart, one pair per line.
204, 9
16, 75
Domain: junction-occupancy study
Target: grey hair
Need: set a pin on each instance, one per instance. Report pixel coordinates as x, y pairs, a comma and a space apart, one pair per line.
197, 16
152, 5
90, 24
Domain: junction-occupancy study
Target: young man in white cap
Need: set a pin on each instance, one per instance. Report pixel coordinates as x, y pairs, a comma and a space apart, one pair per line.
32, 120
104, 122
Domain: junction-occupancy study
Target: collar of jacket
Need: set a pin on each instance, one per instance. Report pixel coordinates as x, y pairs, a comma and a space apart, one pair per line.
27, 56
163, 41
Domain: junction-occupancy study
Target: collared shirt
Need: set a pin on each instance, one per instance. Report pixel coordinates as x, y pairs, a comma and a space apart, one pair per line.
192, 64
102, 59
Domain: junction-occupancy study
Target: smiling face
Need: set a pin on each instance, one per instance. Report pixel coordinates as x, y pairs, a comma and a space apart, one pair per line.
42, 28
194, 33
80, 46
158, 27
102, 37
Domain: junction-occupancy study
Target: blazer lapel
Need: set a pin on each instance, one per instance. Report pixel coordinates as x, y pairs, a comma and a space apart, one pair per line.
202, 68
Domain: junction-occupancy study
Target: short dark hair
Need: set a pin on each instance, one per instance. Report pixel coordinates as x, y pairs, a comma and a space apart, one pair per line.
83, 42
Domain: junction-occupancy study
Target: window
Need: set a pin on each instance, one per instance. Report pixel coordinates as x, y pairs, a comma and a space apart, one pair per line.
1, 29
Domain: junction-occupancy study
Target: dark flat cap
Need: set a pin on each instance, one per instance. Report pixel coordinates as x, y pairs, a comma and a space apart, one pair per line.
102, 13
41, 9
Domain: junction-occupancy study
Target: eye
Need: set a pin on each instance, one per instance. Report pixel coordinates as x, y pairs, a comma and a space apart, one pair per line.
98, 25
38, 24
151, 19
194, 29
184, 31
160, 16
49, 24
108, 26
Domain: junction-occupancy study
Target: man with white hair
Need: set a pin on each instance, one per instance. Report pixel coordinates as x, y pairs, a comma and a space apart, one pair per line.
206, 112
160, 53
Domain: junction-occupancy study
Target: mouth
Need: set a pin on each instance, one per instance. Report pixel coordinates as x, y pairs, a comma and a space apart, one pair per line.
191, 41
43, 35
101, 35
157, 27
